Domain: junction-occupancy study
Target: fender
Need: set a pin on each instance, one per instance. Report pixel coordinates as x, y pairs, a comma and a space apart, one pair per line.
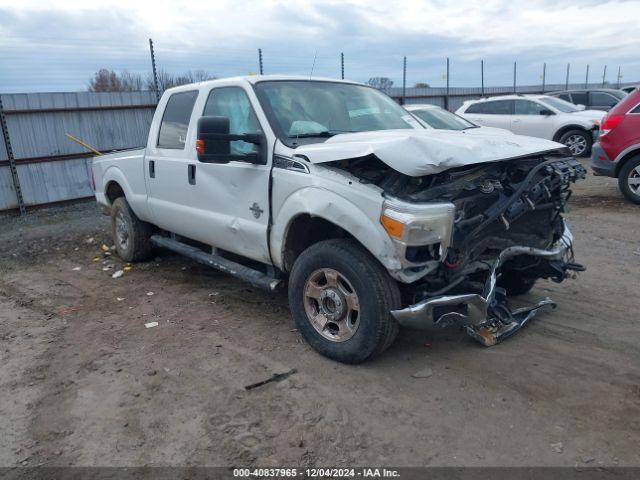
332, 207
137, 201
572, 126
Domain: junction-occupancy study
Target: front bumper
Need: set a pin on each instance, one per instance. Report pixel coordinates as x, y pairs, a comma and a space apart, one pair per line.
484, 313
601, 164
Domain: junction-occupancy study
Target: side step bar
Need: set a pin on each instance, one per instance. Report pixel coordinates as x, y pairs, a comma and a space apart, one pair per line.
254, 277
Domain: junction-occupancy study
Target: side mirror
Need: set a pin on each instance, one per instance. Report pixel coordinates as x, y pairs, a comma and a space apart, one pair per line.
546, 112
580, 106
213, 143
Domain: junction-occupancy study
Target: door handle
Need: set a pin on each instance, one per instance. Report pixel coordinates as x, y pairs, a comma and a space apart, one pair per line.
152, 169
191, 174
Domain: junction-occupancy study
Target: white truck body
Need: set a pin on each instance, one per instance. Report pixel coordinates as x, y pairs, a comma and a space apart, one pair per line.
248, 208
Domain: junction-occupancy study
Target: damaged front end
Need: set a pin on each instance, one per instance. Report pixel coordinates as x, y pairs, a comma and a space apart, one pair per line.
505, 232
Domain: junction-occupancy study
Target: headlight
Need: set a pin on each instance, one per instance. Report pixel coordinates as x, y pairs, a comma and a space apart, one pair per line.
418, 224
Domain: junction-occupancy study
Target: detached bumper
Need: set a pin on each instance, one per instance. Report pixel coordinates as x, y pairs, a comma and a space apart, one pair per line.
601, 164
486, 315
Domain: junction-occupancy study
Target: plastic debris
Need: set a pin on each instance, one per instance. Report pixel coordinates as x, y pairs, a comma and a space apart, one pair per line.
97, 259
90, 240
120, 299
557, 447
117, 274
127, 268
104, 248
151, 324
150, 294
76, 269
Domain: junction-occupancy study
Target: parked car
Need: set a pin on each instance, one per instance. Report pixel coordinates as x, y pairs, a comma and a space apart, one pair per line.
433, 116
537, 116
617, 152
629, 89
593, 98
371, 219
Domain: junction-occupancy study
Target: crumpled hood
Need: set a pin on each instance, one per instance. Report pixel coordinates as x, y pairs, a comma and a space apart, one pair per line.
425, 152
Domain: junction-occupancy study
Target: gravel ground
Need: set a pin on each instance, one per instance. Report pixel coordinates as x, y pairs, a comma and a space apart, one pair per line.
85, 383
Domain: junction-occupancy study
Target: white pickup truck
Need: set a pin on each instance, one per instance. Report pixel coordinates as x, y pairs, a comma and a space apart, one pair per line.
333, 188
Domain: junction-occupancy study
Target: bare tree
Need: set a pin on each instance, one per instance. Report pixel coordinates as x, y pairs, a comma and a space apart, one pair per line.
381, 83
105, 80
168, 80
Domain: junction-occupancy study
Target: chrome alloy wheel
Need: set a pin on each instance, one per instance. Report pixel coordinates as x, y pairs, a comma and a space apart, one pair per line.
577, 144
633, 180
331, 305
122, 230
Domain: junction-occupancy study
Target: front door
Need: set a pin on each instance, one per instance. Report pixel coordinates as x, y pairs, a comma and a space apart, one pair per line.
231, 200
529, 119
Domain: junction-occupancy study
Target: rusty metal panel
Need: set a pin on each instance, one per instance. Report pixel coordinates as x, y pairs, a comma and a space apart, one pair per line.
48, 182
8, 197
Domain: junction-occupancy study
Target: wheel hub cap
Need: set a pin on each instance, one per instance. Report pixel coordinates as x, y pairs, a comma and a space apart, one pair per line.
634, 180
331, 305
577, 144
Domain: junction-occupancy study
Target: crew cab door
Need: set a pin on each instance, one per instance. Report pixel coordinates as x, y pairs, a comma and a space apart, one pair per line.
533, 119
231, 200
166, 164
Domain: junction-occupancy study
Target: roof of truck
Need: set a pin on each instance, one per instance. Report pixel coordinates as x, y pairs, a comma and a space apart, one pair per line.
253, 79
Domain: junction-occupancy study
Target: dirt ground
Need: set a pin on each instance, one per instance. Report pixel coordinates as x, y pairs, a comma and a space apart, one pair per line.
85, 383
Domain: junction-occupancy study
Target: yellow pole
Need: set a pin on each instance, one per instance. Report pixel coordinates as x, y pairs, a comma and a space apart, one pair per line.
80, 142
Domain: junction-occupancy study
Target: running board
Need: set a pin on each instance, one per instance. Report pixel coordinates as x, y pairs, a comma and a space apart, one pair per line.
249, 275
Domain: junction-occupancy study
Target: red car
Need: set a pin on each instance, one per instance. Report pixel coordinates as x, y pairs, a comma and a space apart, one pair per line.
617, 152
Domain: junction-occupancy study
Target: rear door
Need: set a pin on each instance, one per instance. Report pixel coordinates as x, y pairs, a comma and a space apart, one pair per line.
230, 201
492, 113
168, 155
529, 120
602, 101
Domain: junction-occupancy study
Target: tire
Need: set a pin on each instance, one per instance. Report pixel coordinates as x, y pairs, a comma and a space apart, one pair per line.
515, 284
578, 141
630, 172
352, 336
130, 234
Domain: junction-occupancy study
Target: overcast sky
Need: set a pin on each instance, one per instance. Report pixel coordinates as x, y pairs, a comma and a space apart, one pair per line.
57, 45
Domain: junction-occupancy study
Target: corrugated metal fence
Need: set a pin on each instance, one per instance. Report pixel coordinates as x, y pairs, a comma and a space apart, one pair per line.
52, 168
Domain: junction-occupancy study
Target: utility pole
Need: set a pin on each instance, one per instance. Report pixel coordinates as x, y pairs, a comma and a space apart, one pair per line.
544, 75
619, 77
342, 66
586, 79
482, 78
155, 73
12, 160
566, 84
404, 79
260, 61
515, 70
604, 75
446, 98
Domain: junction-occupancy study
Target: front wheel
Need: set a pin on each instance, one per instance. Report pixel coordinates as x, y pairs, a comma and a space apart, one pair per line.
578, 141
629, 180
341, 299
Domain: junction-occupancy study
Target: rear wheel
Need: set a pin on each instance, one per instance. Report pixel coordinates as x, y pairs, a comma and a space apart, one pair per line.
515, 284
629, 179
341, 299
578, 141
130, 234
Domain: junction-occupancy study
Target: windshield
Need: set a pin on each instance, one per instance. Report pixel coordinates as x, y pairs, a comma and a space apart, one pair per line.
441, 119
559, 104
314, 110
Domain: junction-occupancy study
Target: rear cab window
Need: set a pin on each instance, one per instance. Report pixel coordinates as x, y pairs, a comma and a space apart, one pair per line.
175, 120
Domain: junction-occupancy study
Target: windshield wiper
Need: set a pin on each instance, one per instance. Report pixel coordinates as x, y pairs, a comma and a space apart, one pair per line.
323, 134
472, 126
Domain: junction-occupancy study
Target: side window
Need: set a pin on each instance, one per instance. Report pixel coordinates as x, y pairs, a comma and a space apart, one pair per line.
636, 110
233, 103
475, 108
527, 107
602, 99
565, 97
175, 120
580, 98
499, 107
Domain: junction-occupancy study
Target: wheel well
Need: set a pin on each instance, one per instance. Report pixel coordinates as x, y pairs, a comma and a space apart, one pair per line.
113, 191
625, 159
304, 231
565, 129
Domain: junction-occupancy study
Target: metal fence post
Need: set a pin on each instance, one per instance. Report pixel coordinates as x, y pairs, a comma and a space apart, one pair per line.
604, 75
586, 79
482, 78
12, 160
155, 73
342, 66
404, 79
619, 77
515, 70
446, 98
260, 60
544, 75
